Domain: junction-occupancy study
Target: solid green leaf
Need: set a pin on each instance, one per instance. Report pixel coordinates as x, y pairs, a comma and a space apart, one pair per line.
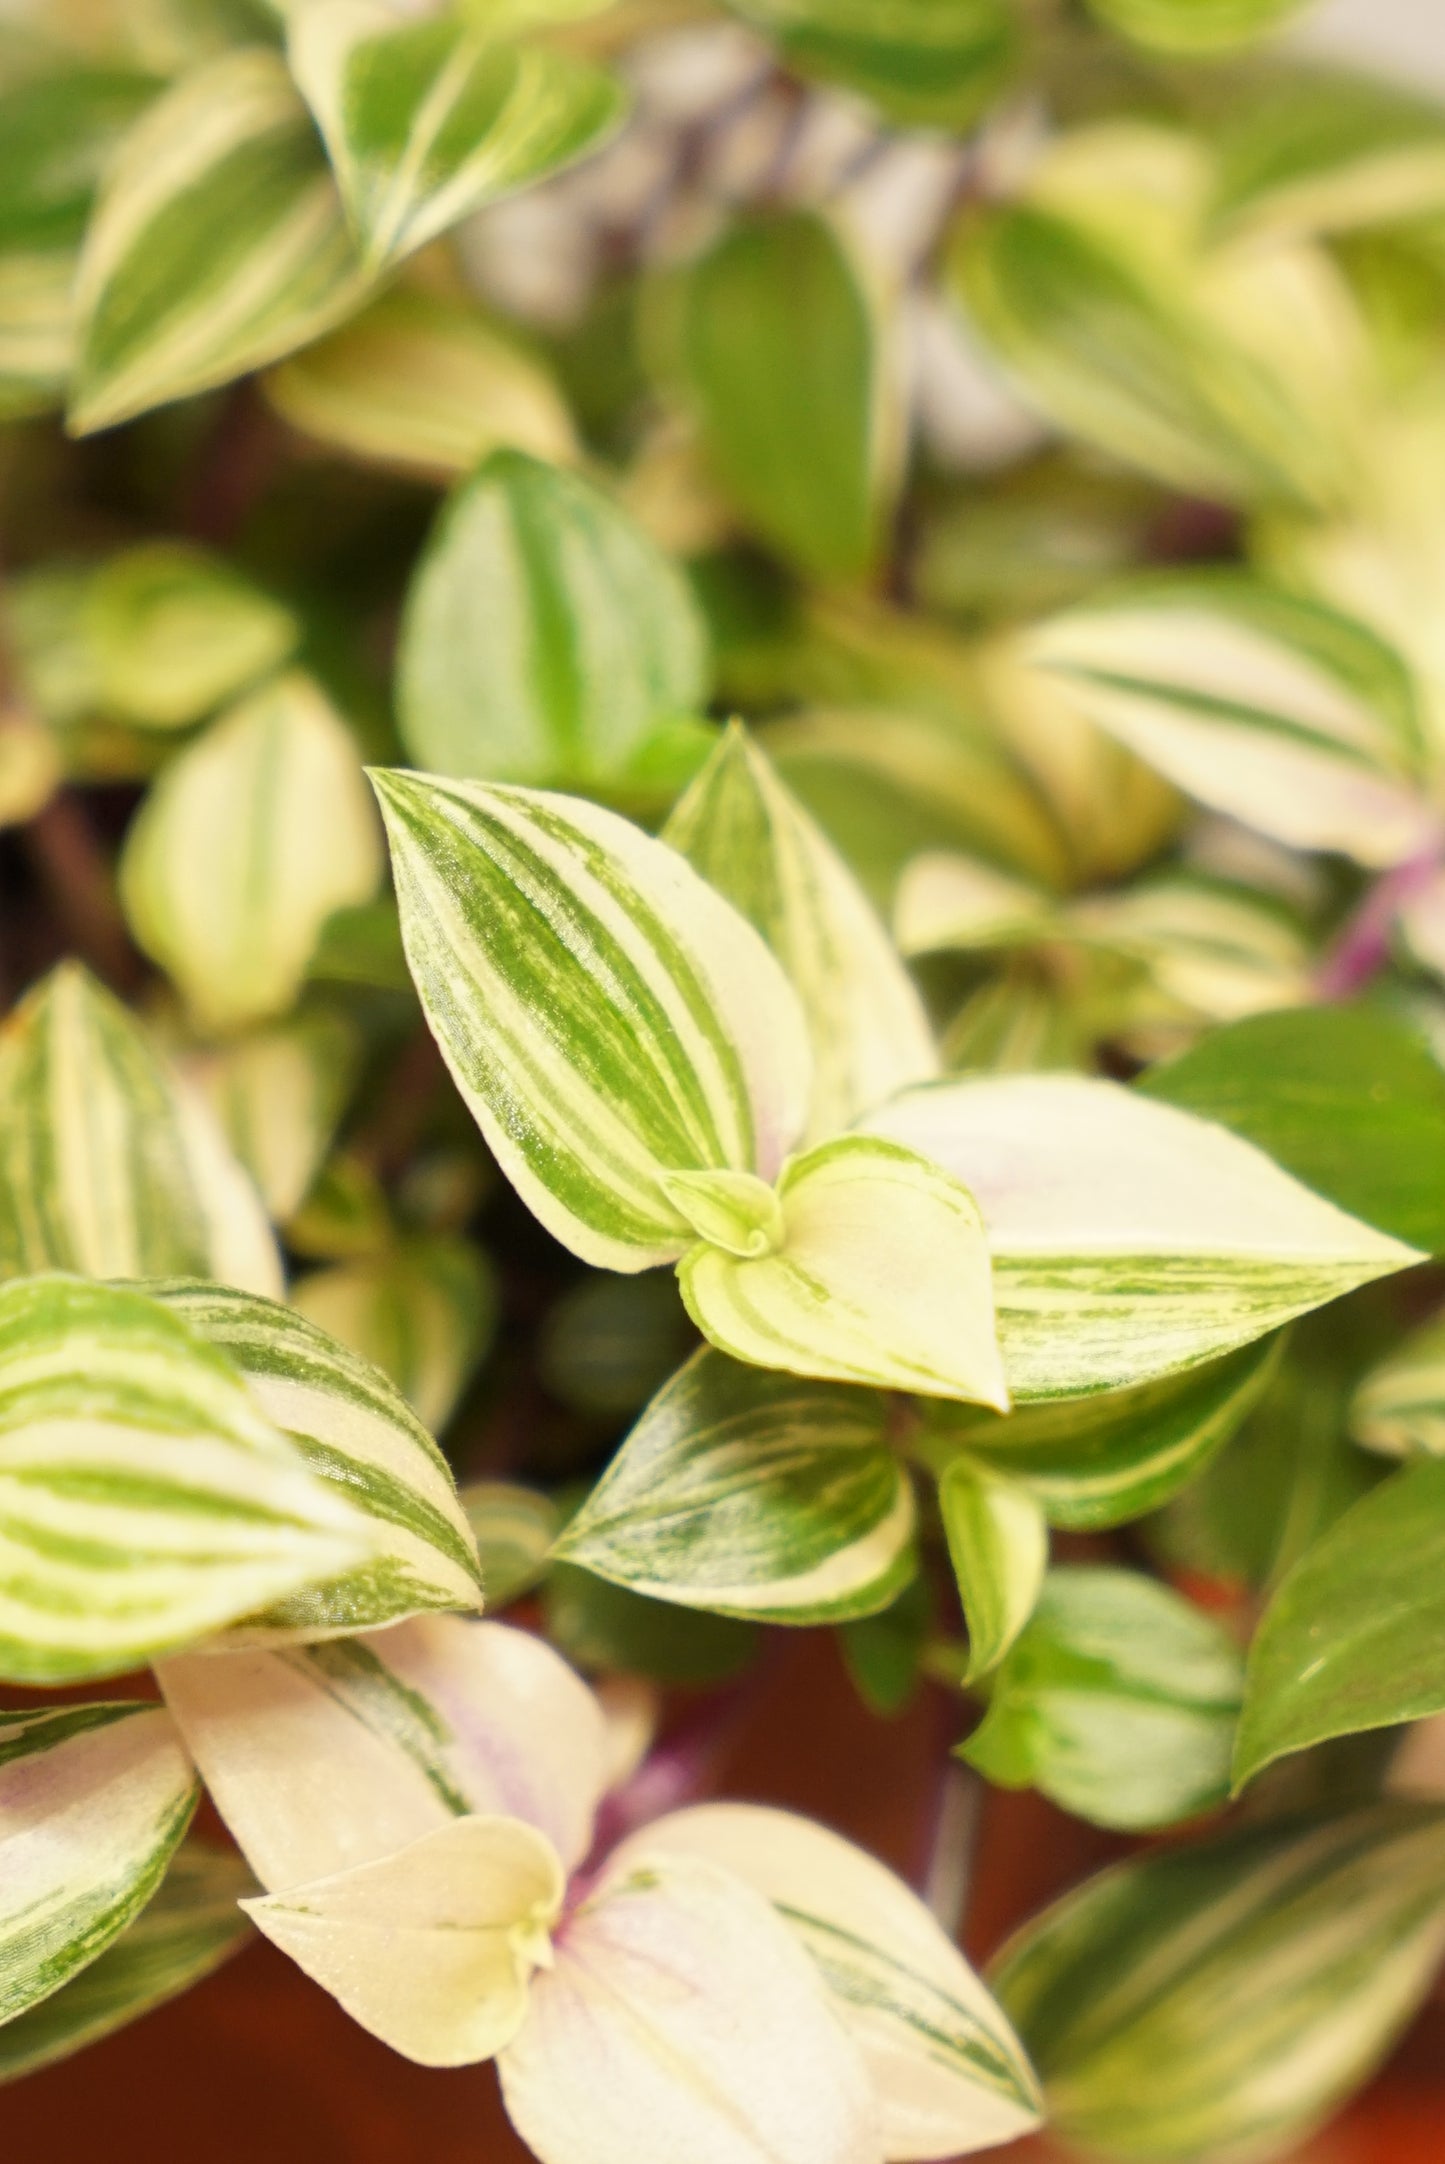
925, 63
57, 131
1353, 1636
880, 1274
884, 1653
607, 1017
546, 637
514, 1529
998, 1544
1118, 1702
424, 1311
428, 121
218, 245
1129, 1239
756, 1495
145, 1499
782, 352
611, 1342
93, 1800
1272, 709
1348, 1099
1217, 2000
1194, 26
175, 632
599, 1625
244, 847
424, 383
352, 1430
1399, 1408
744, 830
109, 1164
1098, 1461
184, 1932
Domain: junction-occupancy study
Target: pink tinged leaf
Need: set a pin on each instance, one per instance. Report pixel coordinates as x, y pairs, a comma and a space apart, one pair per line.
682, 2024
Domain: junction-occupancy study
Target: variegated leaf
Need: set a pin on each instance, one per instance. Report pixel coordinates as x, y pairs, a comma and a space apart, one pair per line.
606, 1016
1326, 152
93, 1800
1194, 26
219, 243
174, 632
923, 65
949, 2072
1218, 1999
1118, 1701
183, 1933
427, 121
754, 1495
279, 1093
37, 334
109, 1165
323, 1757
998, 1544
877, 1271
1399, 1408
144, 1498
682, 2020
1101, 1460
424, 383
244, 847
424, 1311
748, 835
1126, 1244
432, 1947
546, 636
949, 901
1285, 715
514, 1528
352, 1430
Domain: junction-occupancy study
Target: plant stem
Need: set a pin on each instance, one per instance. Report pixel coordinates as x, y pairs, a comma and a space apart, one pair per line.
1363, 948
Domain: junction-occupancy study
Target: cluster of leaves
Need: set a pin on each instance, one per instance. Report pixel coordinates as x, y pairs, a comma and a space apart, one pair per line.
905, 1136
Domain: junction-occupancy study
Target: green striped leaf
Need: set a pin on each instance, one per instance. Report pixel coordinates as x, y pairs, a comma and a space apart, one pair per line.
174, 632
93, 1800
1277, 711
514, 1528
1399, 1408
1194, 26
327, 1756
219, 244
37, 335
1099, 1461
279, 1093
1128, 1239
245, 845
879, 1274
753, 1495
1118, 1701
425, 383
782, 352
1219, 1999
606, 1016
748, 835
109, 1165
1229, 372
428, 121
352, 1430
1352, 1639
546, 637
925, 63
185, 1931
1328, 153
998, 1544
424, 1312
949, 2074
145, 1500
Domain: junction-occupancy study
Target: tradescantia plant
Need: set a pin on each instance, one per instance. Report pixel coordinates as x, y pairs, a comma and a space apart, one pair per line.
722, 849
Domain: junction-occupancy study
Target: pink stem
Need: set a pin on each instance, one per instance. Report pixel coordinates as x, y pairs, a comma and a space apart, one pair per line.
1363, 947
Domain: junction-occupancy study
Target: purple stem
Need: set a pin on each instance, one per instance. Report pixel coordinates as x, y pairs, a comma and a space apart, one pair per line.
1363, 947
